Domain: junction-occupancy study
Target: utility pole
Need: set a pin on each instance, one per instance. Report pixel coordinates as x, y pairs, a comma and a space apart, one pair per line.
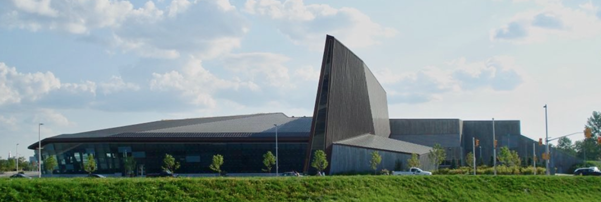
494, 146
534, 157
39, 151
277, 163
17, 156
474, 153
547, 140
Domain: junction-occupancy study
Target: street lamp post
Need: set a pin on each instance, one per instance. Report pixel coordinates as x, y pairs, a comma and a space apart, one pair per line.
494, 147
547, 140
277, 163
17, 156
39, 151
534, 157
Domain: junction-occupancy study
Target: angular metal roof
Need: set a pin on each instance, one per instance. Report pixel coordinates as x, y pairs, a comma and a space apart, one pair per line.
239, 127
382, 143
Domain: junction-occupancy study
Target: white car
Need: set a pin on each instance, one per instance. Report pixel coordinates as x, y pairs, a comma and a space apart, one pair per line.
412, 171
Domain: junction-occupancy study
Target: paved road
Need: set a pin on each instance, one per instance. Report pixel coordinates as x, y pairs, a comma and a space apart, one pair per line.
28, 173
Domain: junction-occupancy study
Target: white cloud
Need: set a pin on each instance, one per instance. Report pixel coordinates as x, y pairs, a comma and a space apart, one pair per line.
51, 117
36, 7
205, 29
553, 20
499, 73
178, 6
196, 84
116, 84
16, 86
8, 122
308, 24
267, 68
307, 73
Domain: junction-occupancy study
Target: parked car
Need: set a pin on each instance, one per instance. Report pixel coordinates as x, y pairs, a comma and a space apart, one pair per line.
292, 174
96, 176
19, 175
592, 171
412, 171
162, 174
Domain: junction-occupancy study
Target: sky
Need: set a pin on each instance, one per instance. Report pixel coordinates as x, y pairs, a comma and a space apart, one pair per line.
91, 64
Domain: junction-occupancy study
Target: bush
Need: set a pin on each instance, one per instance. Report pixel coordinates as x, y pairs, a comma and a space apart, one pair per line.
442, 171
485, 170
332, 188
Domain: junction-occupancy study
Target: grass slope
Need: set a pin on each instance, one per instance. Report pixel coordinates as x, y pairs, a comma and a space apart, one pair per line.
337, 188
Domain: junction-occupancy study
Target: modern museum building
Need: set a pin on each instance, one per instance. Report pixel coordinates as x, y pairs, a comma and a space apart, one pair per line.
349, 122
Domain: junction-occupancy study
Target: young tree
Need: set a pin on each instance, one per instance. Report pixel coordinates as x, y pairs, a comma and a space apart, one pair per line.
376, 159
565, 145
169, 164
268, 161
320, 161
504, 156
414, 161
90, 165
2, 164
469, 160
594, 123
515, 159
437, 155
216, 164
49, 164
589, 146
130, 165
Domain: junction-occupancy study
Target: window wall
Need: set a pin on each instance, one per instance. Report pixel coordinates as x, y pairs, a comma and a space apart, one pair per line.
193, 157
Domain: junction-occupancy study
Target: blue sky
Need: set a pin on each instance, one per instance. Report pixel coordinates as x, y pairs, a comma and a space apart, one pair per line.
84, 65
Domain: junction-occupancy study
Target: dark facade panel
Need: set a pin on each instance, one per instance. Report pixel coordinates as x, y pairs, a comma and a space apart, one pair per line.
350, 102
425, 126
482, 130
446, 140
378, 103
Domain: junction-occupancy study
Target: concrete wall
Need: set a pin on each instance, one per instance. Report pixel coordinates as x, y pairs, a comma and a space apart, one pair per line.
348, 159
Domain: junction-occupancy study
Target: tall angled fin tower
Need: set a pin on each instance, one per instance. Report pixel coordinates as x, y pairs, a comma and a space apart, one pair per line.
350, 101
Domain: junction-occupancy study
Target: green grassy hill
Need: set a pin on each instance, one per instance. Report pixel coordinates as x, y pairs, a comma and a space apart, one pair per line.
337, 188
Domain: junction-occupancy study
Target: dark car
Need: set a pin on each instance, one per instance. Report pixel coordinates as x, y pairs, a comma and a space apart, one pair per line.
96, 176
162, 174
20, 176
591, 171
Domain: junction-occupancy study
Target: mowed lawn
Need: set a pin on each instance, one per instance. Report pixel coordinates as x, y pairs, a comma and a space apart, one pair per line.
330, 188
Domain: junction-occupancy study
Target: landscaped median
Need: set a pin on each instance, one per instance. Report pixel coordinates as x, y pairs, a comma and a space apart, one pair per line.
339, 188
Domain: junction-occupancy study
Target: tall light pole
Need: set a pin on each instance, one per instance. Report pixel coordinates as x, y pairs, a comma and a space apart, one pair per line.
39, 151
277, 163
17, 157
534, 157
494, 146
474, 153
547, 140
